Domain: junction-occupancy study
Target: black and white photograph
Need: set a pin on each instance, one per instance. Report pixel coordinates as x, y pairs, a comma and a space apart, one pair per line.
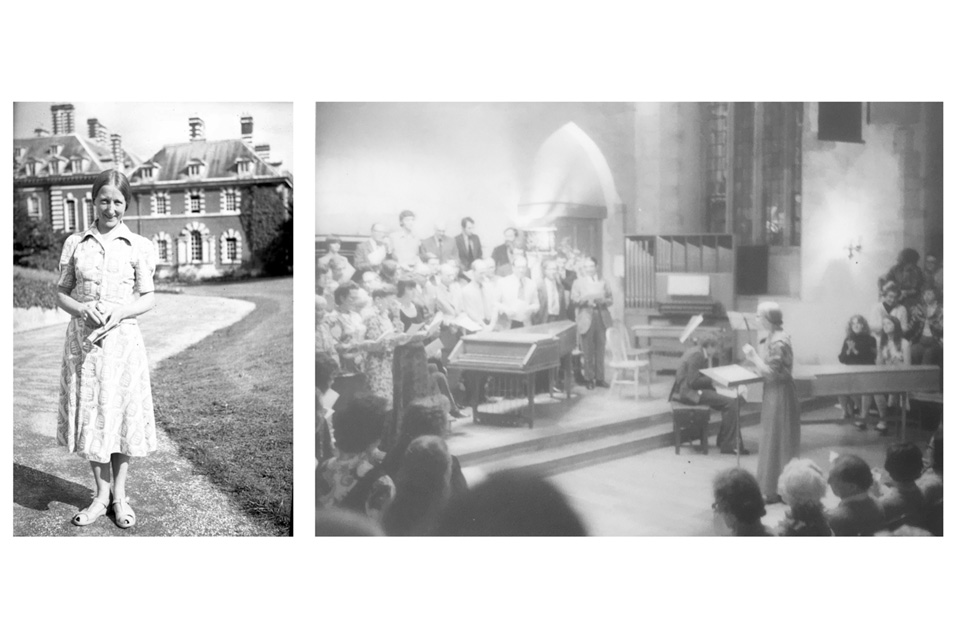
629, 318
153, 326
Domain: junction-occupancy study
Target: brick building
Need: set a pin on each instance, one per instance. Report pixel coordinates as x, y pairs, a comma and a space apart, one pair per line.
186, 197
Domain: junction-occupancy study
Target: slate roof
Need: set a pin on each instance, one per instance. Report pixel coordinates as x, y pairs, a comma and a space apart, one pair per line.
219, 158
73, 146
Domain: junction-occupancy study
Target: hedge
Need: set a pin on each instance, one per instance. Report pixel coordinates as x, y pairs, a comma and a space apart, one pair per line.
34, 292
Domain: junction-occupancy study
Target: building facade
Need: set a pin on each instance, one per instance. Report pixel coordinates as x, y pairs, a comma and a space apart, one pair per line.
187, 197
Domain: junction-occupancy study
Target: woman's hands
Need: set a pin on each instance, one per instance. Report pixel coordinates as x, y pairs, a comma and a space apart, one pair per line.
114, 316
750, 353
91, 315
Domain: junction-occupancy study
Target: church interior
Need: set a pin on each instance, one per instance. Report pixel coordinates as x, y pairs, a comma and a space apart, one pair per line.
555, 269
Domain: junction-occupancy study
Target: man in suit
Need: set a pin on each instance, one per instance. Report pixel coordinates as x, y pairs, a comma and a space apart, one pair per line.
592, 297
693, 387
439, 244
504, 254
371, 253
468, 245
551, 294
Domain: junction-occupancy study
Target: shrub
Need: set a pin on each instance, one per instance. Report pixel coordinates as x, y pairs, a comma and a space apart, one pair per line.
33, 292
35, 243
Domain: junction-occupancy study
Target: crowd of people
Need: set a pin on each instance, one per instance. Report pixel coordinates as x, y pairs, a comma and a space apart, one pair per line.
904, 498
905, 327
387, 321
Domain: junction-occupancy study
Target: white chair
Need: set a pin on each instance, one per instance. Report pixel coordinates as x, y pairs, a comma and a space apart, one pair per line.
626, 361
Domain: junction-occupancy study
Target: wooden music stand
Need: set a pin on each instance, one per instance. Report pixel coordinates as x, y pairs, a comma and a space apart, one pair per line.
732, 376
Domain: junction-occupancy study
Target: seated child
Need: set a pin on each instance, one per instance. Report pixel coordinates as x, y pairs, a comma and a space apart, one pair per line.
859, 347
902, 501
859, 513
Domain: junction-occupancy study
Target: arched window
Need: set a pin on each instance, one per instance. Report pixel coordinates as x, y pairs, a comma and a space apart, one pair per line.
196, 246
164, 246
231, 247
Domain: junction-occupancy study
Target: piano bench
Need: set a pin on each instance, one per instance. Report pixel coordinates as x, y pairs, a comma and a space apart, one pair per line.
689, 422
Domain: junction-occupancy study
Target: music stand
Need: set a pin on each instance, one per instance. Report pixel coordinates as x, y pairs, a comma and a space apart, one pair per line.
733, 375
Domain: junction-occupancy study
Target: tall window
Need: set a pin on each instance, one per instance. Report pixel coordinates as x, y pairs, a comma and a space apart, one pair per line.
163, 204
33, 206
70, 215
195, 203
163, 251
717, 166
88, 212
232, 249
196, 246
230, 201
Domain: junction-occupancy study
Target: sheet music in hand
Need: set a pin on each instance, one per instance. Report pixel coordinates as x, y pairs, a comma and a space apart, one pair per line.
731, 375
437, 319
695, 322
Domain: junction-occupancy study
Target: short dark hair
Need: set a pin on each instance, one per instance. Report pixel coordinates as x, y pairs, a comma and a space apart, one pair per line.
403, 285
708, 341
115, 179
359, 422
333, 239
904, 462
465, 221
736, 491
910, 256
423, 417
406, 213
851, 469
343, 291
511, 503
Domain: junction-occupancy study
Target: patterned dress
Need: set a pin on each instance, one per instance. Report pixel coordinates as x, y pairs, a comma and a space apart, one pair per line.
105, 401
379, 366
779, 413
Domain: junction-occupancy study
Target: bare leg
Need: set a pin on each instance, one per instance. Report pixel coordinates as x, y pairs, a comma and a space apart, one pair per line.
101, 475
120, 463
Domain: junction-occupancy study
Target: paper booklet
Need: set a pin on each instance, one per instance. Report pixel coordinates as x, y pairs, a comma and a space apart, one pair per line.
415, 327
463, 320
99, 333
437, 319
329, 399
433, 349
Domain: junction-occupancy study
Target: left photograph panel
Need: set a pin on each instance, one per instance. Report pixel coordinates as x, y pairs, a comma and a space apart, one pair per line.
153, 329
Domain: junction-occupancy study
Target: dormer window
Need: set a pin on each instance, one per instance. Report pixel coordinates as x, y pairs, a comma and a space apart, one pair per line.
147, 173
195, 168
244, 166
19, 152
31, 168
56, 149
54, 168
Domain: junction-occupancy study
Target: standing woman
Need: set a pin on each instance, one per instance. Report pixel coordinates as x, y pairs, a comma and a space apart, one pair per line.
780, 411
106, 408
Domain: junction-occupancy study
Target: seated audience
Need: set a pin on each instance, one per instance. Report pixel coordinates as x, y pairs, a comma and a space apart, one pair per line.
349, 480
511, 503
892, 350
859, 513
888, 305
738, 504
340, 522
802, 487
902, 501
926, 336
907, 276
859, 347
424, 417
931, 486
423, 488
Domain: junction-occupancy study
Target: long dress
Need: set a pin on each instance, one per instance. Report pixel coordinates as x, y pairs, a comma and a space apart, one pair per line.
379, 365
106, 405
779, 413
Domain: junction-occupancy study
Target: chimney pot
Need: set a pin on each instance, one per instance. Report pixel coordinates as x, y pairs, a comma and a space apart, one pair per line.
246, 129
197, 133
116, 150
62, 119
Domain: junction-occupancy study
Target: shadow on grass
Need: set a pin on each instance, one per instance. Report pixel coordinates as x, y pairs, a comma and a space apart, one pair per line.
35, 490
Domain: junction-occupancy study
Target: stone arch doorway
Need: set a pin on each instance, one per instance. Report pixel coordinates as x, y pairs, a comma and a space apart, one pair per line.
570, 189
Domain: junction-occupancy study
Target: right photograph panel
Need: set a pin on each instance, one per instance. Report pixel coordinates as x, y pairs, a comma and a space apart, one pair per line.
609, 319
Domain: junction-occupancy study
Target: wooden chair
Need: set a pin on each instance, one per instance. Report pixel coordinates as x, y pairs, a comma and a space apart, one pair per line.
626, 361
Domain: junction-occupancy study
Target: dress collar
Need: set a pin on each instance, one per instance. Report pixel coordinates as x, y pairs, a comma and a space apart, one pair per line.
120, 231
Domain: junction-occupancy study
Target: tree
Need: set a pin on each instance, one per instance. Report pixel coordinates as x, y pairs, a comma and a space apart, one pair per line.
35, 242
268, 226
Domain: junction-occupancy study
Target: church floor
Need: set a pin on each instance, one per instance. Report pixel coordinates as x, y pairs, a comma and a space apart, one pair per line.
660, 493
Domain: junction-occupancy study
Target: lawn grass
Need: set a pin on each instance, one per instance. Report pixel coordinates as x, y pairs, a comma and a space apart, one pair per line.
227, 402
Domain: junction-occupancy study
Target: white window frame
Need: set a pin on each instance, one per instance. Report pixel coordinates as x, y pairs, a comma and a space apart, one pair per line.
187, 197
164, 237
225, 238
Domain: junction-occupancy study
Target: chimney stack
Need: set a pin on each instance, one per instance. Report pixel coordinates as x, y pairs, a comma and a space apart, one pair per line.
196, 129
97, 132
116, 149
263, 151
62, 119
246, 129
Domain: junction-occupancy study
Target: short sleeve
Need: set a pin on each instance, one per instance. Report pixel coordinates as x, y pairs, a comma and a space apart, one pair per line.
68, 275
145, 266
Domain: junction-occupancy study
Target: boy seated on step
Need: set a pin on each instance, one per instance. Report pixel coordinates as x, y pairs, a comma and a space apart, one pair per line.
859, 513
901, 499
